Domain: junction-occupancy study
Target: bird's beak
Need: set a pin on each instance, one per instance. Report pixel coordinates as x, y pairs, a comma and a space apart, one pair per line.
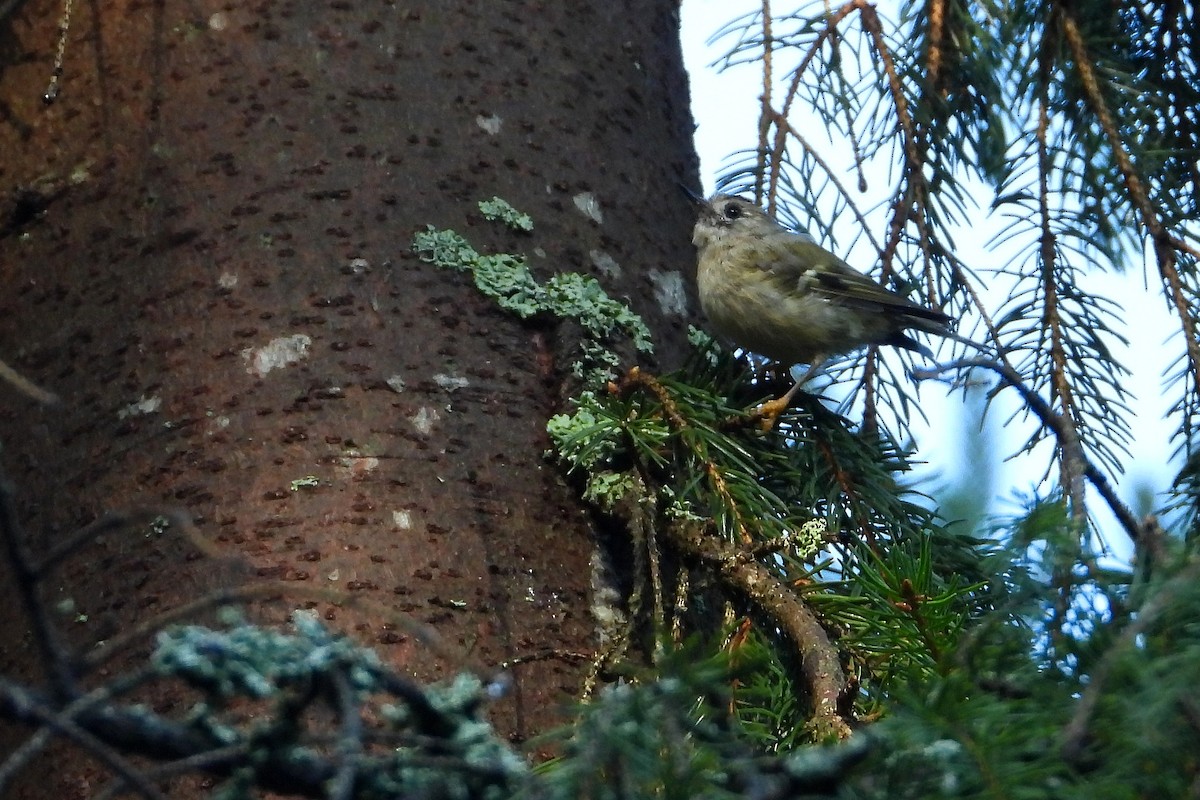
697, 199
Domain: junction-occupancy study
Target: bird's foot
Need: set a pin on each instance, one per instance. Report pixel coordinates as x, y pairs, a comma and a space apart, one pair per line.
768, 413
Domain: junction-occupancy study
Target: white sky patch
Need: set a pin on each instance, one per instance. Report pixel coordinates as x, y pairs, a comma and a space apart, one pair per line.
490, 123
590, 206
669, 292
423, 420
402, 519
451, 382
227, 280
144, 405
607, 265
281, 352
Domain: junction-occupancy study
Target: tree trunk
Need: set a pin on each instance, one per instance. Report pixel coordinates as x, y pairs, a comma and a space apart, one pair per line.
206, 256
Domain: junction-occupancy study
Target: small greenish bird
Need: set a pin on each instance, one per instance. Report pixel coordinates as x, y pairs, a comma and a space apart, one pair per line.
780, 294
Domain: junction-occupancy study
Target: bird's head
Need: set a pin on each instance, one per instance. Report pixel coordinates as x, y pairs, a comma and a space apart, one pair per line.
723, 215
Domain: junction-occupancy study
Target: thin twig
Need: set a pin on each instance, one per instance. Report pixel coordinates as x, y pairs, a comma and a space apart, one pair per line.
782, 123
221, 758
23, 384
350, 740
20, 758
97, 747
216, 599
654, 565
1164, 242
55, 656
112, 521
1071, 480
137, 730
764, 117
916, 193
779, 146
937, 34
636, 378
1063, 432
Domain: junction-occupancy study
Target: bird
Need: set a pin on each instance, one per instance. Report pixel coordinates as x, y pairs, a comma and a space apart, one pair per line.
779, 294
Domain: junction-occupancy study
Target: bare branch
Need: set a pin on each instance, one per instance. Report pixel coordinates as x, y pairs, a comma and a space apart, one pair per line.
818, 657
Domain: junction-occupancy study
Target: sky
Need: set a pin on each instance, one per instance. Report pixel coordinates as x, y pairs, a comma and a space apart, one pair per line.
725, 106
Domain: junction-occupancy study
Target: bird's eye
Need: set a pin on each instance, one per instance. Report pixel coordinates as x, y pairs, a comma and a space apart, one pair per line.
732, 211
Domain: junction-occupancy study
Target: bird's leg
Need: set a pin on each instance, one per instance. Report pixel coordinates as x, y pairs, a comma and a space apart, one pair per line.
768, 413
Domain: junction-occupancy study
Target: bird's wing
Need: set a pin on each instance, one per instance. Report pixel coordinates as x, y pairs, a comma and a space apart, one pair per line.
813, 268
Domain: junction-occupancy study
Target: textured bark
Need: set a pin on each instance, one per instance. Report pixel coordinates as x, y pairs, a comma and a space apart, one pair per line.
217, 177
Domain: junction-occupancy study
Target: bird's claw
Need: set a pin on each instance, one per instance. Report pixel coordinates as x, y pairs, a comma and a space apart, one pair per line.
768, 413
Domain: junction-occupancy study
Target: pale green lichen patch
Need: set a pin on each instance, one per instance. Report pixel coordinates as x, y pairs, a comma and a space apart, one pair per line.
669, 292
144, 405
424, 419
499, 209
582, 298
605, 488
588, 438
506, 278
589, 206
704, 344
240, 662
451, 383
623, 443
277, 353
307, 482
490, 123
811, 537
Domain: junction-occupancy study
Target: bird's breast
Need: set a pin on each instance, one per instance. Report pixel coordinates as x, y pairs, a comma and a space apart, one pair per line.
749, 306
